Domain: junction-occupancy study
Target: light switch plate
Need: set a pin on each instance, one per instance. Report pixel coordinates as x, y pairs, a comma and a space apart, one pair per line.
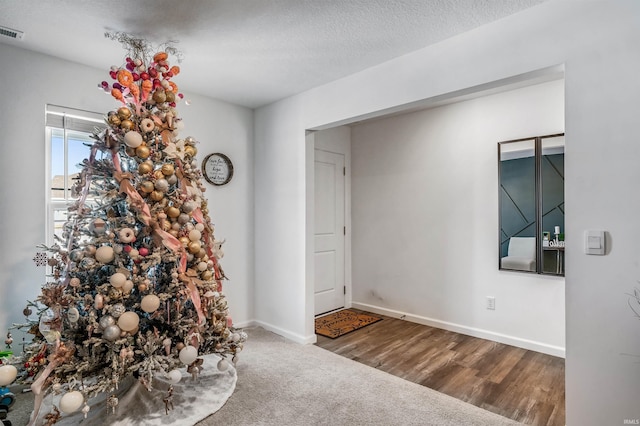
594, 242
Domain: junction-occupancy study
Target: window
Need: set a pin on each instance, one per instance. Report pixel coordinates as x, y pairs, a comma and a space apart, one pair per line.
68, 139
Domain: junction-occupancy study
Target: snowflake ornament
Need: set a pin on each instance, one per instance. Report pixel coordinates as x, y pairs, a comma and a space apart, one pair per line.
41, 259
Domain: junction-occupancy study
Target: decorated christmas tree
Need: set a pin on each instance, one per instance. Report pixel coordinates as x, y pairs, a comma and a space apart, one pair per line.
136, 283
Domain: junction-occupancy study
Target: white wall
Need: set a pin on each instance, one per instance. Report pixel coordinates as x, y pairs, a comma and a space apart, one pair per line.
425, 219
28, 81
597, 43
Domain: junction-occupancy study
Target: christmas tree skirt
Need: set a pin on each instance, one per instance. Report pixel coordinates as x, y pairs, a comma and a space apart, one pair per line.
192, 401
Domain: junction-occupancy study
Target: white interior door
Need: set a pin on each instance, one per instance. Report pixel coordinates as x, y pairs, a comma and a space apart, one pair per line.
329, 237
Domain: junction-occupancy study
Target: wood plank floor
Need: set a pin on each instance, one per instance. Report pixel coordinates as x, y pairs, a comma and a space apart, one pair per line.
522, 385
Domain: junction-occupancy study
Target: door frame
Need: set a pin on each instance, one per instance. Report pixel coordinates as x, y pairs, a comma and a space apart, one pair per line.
336, 140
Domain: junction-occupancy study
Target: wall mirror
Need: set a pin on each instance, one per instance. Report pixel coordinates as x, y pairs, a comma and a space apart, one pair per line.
531, 185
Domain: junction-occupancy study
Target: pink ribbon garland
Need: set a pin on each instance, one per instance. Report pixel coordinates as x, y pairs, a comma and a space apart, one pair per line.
199, 217
194, 294
168, 240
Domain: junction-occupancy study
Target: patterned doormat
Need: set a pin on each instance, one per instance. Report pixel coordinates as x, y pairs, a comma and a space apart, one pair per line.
342, 322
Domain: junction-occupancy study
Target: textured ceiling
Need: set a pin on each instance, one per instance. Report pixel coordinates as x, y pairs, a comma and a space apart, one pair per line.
250, 52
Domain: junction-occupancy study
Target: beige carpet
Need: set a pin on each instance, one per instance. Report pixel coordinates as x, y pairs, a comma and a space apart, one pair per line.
287, 384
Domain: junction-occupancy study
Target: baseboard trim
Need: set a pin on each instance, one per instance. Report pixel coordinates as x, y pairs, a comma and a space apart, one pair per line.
244, 324
297, 338
469, 331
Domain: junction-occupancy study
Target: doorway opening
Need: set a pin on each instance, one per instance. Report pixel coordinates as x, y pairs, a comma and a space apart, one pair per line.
424, 215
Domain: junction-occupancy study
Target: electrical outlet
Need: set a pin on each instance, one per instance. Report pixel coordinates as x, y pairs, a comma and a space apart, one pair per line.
491, 303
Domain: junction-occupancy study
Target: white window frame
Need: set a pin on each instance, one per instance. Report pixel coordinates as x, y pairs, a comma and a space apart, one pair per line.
72, 122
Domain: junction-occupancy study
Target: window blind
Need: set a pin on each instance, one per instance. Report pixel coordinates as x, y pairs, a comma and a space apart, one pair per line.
73, 119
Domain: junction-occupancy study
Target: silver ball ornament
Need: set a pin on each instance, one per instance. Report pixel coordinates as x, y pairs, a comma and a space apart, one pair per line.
223, 365
111, 333
162, 185
174, 376
172, 180
117, 310
106, 321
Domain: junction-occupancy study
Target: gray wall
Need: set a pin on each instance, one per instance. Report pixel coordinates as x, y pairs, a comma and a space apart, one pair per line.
28, 82
596, 42
425, 219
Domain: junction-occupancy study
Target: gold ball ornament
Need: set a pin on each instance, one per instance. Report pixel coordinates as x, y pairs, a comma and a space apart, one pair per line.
207, 275
194, 247
145, 167
114, 120
147, 186
124, 113
185, 241
157, 195
143, 152
159, 96
158, 174
127, 125
167, 169
173, 212
170, 96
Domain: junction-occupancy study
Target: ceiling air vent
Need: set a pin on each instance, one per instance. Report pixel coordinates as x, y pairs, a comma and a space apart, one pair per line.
8, 32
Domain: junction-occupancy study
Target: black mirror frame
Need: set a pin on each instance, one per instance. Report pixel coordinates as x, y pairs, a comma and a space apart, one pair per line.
538, 204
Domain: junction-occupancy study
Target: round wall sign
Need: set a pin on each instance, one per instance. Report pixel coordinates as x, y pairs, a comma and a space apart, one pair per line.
217, 169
